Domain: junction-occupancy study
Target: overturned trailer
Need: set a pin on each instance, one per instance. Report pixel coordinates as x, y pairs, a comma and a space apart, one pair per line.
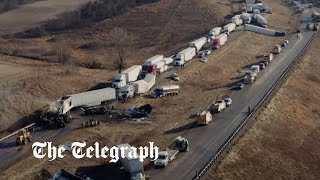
264, 31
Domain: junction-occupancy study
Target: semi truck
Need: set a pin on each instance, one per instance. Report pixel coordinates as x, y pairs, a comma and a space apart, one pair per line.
219, 41
229, 28
215, 32
149, 65
246, 17
165, 91
184, 56
165, 157
264, 31
198, 43
58, 113
137, 88
260, 20
237, 20
127, 76
133, 166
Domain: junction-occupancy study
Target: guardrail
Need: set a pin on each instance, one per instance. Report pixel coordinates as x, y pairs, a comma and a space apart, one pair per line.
12, 134
213, 160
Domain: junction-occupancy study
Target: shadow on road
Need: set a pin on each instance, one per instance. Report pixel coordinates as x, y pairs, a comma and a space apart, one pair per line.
181, 128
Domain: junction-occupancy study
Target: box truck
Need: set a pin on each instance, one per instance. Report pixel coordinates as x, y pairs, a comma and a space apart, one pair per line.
219, 41
126, 76
184, 56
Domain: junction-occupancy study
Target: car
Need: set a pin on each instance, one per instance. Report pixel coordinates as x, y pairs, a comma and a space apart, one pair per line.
262, 66
238, 86
208, 52
285, 43
228, 101
175, 77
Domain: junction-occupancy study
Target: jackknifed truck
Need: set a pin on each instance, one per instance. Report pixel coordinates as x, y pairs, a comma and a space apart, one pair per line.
180, 144
137, 88
58, 113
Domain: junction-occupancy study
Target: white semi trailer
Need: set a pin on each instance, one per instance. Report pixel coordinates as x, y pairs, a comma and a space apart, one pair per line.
137, 88
215, 32
184, 56
261, 20
91, 98
264, 31
229, 28
198, 43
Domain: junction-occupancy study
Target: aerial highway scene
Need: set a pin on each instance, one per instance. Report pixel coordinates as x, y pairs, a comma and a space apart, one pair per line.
159, 89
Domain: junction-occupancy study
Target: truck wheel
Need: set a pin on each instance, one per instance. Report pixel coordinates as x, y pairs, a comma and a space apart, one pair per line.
24, 142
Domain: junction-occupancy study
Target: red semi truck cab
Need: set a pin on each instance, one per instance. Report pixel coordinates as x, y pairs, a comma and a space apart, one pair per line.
152, 69
216, 43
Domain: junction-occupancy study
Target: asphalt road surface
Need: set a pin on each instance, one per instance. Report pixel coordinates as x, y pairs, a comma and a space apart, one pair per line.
206, 141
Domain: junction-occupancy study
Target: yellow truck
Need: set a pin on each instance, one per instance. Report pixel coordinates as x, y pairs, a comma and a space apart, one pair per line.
24, 136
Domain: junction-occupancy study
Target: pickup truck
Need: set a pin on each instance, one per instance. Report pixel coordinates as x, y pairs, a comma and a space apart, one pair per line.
165, 157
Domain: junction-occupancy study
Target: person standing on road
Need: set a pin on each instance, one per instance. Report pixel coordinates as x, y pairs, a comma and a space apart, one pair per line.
249, 109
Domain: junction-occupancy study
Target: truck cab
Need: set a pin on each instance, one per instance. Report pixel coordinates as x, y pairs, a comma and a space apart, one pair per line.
216, 43
179, 60
119, 81
149, 69
126, 92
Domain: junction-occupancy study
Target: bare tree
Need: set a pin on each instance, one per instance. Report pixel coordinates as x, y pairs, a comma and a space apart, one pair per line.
123, 42
63, 53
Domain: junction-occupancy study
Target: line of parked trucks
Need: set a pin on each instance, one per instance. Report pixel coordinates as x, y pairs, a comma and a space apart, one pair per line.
139, 79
